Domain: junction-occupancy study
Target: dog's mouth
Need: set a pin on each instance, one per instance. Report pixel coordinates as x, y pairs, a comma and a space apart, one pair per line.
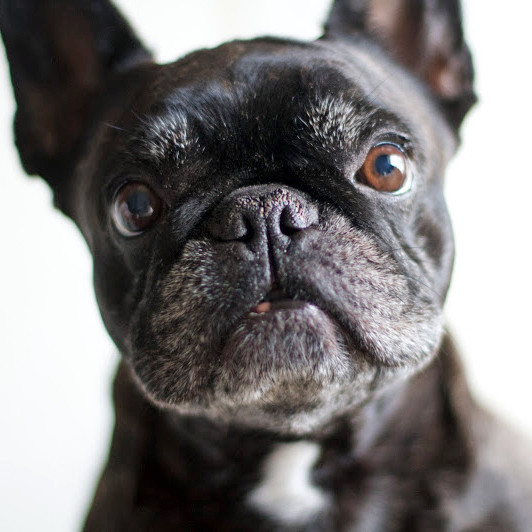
276, 299
302, 332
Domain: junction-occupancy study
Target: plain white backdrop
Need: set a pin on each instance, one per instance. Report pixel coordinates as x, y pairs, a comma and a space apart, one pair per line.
56, 361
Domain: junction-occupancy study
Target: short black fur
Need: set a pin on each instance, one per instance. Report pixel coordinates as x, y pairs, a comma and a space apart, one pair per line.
278, 304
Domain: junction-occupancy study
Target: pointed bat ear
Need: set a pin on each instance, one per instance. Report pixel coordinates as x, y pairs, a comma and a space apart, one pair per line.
61, 55
425, 36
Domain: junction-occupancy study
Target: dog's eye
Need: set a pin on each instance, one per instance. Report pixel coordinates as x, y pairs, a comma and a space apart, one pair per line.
386, 169
135, 208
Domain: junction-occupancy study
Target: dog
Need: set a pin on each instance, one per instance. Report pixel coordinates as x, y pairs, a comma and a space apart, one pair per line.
272, 252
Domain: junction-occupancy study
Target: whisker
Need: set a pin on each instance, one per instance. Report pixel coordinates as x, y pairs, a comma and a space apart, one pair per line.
377, 87
112, 126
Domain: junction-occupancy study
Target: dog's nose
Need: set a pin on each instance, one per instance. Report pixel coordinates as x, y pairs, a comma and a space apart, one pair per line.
260, 213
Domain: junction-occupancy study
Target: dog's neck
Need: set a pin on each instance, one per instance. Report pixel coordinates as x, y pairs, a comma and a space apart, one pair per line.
212, 472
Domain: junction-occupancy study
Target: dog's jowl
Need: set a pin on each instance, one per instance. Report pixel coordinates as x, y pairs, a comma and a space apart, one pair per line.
271, 255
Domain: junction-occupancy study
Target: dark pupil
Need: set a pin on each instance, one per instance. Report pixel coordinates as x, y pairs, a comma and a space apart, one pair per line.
139, 204
384, 165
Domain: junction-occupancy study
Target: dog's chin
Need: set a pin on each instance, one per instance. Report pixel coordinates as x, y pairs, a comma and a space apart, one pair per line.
286, 366
289, 343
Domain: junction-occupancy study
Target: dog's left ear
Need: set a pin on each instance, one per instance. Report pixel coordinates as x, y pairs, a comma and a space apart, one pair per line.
62, 55
425, 36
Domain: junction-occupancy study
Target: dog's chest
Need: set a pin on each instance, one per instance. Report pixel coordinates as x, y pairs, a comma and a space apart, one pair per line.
286, 493
298, 490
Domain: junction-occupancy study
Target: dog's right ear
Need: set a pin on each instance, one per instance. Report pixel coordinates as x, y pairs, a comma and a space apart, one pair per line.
425, 36
61, 55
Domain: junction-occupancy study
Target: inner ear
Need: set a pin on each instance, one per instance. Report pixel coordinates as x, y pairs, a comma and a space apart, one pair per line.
54, 107
399, 26
425, 36
74, 46
422, 40
62, 55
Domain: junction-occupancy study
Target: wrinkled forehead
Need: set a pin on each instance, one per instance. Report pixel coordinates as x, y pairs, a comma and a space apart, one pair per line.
261, 91
271, 98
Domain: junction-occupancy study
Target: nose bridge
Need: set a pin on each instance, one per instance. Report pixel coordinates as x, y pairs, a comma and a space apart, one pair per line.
267, 206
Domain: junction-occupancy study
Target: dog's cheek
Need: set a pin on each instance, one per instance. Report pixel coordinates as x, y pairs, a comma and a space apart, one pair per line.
182, 319
117, 292
170, 343
436, 239
379, 294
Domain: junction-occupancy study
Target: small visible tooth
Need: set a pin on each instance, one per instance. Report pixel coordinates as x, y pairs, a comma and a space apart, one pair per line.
262, 307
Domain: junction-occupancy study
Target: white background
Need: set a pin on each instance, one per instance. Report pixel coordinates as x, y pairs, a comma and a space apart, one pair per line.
56, 361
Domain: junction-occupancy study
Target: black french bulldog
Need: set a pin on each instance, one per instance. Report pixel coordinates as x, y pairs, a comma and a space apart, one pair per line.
271, 254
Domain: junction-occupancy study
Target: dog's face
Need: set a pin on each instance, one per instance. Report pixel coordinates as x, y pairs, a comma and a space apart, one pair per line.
250, 174
269, 234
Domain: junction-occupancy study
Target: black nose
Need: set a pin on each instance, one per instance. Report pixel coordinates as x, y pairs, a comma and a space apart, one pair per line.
262, 213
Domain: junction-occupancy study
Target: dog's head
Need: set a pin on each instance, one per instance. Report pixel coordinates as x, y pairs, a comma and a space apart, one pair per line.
269, 234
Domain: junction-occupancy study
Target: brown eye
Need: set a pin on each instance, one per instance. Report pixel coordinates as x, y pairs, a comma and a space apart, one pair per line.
386, 169
135, 209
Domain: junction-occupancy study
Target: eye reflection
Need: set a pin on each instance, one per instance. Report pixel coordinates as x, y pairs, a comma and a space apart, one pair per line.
386, 169
135, 208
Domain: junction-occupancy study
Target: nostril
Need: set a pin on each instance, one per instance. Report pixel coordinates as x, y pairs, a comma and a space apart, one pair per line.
245, 232
287, 222
293, 220
235, 227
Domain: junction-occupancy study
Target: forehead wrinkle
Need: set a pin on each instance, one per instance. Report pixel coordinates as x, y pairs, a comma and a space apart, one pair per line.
165, 137
338, 122
333, 122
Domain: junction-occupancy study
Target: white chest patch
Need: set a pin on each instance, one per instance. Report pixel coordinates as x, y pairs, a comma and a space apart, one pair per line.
286, 493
